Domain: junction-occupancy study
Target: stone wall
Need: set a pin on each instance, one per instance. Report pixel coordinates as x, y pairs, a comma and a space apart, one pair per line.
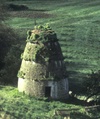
58, 89
63, 88
31, 87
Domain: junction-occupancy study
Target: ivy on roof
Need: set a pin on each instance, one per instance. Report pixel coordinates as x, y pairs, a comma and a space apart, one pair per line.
41, 34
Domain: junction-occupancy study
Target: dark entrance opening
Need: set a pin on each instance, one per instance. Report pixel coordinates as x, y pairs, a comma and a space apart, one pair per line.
47, 91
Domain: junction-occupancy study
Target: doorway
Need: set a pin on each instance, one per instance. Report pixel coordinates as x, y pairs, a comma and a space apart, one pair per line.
47, 91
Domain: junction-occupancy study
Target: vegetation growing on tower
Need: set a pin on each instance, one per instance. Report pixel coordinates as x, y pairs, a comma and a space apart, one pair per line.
42, 57
41, 34
37, 40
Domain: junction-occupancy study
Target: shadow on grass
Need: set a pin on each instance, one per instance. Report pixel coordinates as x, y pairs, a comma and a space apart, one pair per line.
75, 101
24, 11
78, 115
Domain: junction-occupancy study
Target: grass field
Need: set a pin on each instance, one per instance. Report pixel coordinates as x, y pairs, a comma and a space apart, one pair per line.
15, 105
77, 23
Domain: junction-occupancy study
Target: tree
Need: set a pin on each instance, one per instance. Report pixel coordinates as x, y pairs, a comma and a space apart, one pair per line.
3, 11
9, 50
3, 34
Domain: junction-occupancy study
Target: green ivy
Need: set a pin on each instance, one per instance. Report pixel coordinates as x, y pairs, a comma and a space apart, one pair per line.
39, 53
21, 74
47, 34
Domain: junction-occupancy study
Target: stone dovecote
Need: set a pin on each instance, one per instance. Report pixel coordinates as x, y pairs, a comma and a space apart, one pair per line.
42, 72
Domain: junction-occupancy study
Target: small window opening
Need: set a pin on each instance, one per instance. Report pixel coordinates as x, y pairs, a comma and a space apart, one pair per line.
47, 91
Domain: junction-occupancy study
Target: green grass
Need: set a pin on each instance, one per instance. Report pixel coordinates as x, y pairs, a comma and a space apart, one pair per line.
77, 26
17, 105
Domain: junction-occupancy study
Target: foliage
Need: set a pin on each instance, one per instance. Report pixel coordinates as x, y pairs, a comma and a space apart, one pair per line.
21, 74
4, 38
12, 62
41, 34
14, 7
3, 12
92, 85
37, 53
9, 49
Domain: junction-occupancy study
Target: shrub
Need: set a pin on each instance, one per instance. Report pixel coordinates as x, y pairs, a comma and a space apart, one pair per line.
12, 63
17, 7
92, 85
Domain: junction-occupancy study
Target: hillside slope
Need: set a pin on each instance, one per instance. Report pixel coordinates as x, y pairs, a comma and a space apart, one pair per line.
77, 24
15, 105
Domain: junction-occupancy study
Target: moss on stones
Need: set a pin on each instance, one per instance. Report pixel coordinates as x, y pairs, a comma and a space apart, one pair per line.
42, 64
41, 52
36, 53
32, 70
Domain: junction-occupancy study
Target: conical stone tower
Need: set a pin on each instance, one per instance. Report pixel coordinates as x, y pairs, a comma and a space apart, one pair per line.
43, 72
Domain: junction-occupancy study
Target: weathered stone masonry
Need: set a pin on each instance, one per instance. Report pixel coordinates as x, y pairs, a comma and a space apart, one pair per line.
43, 72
